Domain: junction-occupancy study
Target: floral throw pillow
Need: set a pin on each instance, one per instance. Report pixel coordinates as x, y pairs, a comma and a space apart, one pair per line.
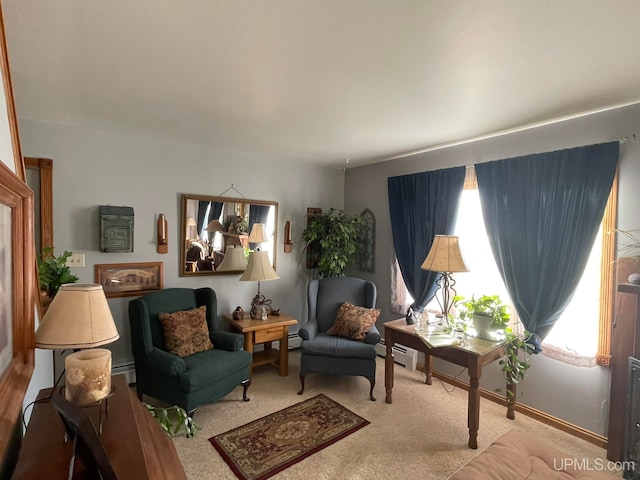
353, 322
186, 333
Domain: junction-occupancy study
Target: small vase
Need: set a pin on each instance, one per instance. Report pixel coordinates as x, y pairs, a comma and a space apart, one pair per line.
238, 313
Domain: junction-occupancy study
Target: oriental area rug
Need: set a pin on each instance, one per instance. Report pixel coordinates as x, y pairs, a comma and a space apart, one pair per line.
266, 446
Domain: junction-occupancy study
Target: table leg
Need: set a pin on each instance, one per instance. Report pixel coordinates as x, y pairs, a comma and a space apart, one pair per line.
248, 347
428, 368
473, 412
284, 353
388, 366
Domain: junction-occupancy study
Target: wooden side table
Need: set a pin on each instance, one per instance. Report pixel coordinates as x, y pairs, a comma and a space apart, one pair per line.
266, 331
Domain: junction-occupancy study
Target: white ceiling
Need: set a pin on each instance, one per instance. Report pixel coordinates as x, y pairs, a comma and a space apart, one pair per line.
320, 80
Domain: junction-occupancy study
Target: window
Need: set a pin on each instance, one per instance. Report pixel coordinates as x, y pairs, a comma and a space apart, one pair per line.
581, 334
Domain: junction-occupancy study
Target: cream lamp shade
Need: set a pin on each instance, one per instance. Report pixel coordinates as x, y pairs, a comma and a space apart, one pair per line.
259, 268
214, 226
78, 317
233, 260
258, 233
445, 255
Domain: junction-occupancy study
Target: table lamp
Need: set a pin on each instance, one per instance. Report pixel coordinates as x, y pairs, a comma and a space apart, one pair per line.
257, 234
79, 318
233, 260
259, 269
192, 226
445, 257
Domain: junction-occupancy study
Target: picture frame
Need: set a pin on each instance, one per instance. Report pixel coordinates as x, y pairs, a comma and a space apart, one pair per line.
87, 446
129, 279
17, 299
19, 283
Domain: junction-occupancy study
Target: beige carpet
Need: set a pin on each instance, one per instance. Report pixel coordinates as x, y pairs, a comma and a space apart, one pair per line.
422, 435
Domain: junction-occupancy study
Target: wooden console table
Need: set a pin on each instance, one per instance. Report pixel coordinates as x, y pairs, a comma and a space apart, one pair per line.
136, 445
257, 331
476, 354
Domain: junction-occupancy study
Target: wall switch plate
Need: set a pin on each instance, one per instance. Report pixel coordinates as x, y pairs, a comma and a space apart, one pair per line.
76, 260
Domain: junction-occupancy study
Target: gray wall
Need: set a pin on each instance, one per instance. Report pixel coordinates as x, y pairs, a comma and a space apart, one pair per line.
150, 174
577, 395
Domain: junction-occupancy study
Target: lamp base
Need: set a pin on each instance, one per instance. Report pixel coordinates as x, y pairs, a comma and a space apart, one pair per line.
87, 376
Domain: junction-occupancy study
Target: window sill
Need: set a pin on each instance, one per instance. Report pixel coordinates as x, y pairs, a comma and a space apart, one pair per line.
566, 356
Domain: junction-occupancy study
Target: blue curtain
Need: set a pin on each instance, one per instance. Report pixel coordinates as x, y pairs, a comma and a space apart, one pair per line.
542, 213
214, 213
202, 212
421, 206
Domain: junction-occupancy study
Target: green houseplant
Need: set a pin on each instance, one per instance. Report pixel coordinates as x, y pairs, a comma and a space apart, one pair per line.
333, 240
487, 313
515, 362
173, 420
53, 271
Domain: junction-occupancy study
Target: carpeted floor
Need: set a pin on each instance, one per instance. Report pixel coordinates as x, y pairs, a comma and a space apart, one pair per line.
422, 435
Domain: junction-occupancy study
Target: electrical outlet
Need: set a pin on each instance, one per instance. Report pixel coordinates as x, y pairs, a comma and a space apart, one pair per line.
76, 260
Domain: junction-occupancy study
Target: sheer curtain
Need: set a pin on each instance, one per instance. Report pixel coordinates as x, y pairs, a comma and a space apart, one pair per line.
542, 213
421, 206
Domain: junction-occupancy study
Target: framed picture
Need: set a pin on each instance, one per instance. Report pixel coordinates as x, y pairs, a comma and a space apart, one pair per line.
17, 299
87, 445
129, 279
17, 271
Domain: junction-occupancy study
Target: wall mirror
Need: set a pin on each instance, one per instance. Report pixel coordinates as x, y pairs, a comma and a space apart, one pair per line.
215, 233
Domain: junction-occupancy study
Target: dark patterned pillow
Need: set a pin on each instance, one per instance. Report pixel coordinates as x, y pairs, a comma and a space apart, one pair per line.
186, 333
353, 322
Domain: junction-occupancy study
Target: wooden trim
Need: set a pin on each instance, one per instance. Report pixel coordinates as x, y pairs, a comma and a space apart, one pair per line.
45, 169
15, 379
44, 166
10, 104
538, 415
470, 179
607, 276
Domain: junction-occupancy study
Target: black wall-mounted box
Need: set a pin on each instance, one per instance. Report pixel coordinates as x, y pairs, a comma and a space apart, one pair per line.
116, 229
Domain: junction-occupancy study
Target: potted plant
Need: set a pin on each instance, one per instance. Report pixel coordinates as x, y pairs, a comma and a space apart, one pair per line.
487, 313
53, 271
333, 240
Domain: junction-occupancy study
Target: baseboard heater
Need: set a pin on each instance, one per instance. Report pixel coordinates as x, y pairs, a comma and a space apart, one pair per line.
128, 369
408, 357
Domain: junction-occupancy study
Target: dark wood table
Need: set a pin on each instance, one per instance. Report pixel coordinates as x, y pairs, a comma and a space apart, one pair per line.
134, 442
475, 354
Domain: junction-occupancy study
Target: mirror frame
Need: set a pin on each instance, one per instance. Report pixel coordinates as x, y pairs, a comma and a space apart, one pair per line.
183, 228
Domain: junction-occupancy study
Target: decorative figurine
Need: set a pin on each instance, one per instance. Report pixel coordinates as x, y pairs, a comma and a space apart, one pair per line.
238, 313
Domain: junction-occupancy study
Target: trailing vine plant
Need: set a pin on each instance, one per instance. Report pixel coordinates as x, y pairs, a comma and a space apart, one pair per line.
173, 420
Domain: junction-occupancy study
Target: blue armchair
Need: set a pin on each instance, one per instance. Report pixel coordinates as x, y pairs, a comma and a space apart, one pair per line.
329, 354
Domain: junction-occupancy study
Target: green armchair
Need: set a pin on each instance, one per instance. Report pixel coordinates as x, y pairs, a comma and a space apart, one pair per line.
193, 380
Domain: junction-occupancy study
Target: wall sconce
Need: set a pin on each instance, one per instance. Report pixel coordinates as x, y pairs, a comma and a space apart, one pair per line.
288, 244
162, 243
